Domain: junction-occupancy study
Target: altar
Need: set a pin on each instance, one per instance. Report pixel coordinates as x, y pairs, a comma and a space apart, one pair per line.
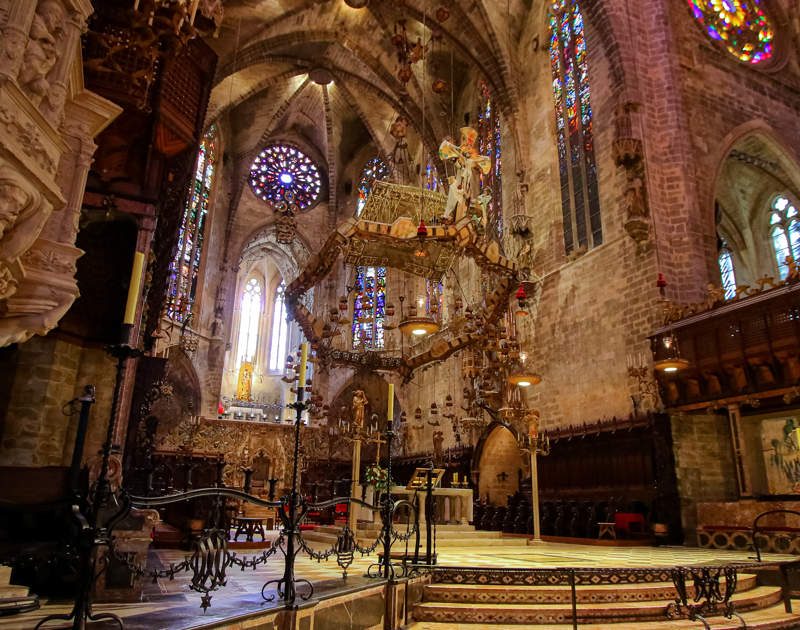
453, 505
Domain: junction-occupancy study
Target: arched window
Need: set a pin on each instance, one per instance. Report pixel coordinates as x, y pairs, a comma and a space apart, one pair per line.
489, 144
284, 174
431, 177
741, 26
580, 205
726, 272
369, 308
184, 268
280, 331
784, 233
249, 320
374, 169
369, 304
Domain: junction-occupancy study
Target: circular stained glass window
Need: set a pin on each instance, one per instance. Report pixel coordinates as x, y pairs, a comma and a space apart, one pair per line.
741, 26
282, 173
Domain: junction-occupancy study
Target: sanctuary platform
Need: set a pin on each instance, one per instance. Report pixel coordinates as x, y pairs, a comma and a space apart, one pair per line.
481, 586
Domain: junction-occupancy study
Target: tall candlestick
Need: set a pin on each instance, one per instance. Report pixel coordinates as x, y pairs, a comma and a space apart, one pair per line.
390, 410
303, 360
133, 288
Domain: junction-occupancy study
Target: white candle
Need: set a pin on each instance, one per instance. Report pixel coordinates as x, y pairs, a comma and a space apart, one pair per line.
390, 410
133, 288
303, 361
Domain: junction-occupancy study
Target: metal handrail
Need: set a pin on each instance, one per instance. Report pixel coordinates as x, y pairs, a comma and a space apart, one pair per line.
755, 528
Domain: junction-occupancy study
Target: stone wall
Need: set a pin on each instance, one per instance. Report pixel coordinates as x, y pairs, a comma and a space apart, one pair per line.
703, 463
39, 429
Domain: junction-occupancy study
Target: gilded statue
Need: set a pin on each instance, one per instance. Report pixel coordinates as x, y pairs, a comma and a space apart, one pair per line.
359, 408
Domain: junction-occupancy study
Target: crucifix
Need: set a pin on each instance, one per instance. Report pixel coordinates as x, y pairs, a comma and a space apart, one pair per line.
377, 441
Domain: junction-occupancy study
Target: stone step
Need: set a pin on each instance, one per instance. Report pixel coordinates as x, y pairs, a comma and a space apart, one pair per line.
442, 541
558, 613
770, 618
12, 591
601, 593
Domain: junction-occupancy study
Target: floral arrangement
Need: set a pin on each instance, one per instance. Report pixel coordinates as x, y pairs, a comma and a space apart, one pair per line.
377, 476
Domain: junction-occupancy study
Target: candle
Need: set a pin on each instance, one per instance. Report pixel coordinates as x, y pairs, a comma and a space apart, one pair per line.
133, 288
303, 360
390, 410
455, 478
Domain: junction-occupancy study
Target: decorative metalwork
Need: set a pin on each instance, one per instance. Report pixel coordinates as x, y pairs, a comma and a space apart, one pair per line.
710, 597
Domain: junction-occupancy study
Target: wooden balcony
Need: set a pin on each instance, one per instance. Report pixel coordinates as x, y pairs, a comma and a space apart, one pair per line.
740, 352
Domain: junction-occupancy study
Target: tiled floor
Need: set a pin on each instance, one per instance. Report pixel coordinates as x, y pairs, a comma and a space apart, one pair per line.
171, 604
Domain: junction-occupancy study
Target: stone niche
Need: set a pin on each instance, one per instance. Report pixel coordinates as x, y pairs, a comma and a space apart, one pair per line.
47, 125
500, 466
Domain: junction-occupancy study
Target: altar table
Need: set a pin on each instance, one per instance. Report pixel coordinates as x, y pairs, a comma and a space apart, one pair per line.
454, 505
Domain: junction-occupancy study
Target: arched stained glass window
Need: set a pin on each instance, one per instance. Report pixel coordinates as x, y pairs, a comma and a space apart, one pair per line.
739, 25
726, 271
282, 173
184, 268
580, 204
432, 177
489, 144
280, 331
249, 320
374, 169
784, 233
369, 308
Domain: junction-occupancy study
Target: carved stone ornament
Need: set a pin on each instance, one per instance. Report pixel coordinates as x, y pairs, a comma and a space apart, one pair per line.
47, 120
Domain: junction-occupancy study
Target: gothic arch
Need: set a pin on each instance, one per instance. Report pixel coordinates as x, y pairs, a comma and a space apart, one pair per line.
752, 165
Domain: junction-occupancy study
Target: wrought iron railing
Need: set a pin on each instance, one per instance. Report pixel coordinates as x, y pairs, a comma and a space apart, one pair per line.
97, 516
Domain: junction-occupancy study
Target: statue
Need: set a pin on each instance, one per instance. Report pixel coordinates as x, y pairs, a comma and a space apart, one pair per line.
359, 405
465, 186
438, 453
41, 54
245, 385
635, 206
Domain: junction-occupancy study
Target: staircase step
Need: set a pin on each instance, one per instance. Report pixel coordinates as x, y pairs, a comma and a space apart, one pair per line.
605, 593
770, 618
12, 591
558, 613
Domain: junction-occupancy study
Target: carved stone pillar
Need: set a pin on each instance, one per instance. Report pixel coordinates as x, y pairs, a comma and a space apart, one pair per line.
43, 163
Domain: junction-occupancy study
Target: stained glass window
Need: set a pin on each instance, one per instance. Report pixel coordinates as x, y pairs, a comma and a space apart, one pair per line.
726, 272
784, 233
580, 205
739, 25
184, 268
284, 173
431, 177
369, 308
489, 144
374, 169
280, 331
249, 320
